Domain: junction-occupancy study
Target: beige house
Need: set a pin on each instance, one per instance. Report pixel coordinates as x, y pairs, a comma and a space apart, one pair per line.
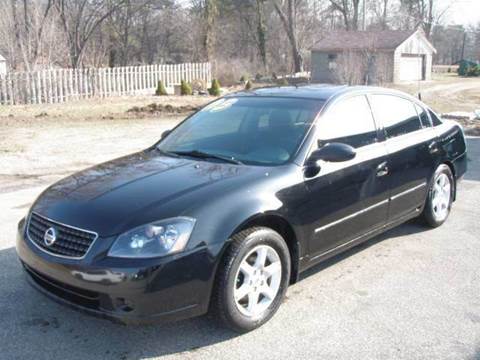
3, 65
372, 57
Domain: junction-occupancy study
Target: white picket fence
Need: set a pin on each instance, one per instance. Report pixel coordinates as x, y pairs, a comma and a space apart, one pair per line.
62, 85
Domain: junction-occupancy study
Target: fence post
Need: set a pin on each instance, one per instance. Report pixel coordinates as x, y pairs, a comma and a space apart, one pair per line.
81, 92
144, 77
33, 90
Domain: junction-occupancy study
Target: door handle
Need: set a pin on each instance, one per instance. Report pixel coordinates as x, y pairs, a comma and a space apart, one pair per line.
382, 169
433, 147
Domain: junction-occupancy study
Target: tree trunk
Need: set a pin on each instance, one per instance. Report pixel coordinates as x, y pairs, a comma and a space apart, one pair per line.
355, 15
288, 22
261, 33
211, 13
126, 35
384, 15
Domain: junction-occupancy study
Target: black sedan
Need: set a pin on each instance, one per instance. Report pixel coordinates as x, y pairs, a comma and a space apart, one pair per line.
229, 207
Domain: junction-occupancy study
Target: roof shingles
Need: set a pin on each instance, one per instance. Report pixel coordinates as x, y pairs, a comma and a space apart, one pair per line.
362, 40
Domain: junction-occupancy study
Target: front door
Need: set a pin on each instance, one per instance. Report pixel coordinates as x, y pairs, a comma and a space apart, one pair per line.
349, 199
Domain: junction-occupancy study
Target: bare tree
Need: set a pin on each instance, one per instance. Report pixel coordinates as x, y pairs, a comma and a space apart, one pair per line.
241, 37
262, 32
80, 19
349, 10
424, 13
24, 23
288, 13
210, 14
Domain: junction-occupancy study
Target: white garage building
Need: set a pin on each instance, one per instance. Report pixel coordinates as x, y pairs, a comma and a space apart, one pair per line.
372, 57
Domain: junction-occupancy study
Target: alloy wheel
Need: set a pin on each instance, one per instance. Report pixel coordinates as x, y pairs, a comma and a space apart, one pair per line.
257, 281
441, 197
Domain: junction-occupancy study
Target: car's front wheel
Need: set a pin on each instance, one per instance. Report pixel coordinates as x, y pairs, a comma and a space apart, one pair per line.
252, 280
440, 197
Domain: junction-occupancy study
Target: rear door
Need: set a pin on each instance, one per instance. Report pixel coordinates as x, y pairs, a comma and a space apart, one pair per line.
347, 199
411, 147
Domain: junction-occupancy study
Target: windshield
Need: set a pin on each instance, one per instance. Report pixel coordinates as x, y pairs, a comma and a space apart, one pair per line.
250, 130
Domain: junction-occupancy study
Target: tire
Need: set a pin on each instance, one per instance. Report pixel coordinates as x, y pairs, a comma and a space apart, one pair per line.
228, 305
440, 197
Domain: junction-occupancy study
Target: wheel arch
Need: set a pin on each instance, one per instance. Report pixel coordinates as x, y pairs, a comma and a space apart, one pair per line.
279, 224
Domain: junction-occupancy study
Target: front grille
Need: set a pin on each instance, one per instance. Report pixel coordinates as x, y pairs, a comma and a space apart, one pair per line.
70, 241
86, 298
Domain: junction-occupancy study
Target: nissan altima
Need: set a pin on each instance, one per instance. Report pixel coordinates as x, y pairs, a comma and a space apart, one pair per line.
230, 206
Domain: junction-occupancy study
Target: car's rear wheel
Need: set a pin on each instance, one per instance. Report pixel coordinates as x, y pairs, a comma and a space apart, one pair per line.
440, 197
252, 279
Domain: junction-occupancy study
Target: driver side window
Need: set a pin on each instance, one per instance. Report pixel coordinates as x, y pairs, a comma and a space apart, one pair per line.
350, 121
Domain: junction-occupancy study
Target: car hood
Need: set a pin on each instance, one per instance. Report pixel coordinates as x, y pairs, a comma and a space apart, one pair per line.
120, 194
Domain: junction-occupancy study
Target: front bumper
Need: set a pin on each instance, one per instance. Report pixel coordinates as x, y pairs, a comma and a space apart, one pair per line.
129, 291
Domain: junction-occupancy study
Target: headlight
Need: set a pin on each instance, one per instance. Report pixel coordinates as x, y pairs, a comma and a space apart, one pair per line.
160, 238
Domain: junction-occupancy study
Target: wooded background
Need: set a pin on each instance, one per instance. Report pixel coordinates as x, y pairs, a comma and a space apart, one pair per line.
239, 37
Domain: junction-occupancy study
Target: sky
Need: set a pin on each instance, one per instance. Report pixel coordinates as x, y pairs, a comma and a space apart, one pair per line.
465, 12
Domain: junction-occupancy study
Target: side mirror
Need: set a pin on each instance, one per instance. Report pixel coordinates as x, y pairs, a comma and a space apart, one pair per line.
333, 152
165, 134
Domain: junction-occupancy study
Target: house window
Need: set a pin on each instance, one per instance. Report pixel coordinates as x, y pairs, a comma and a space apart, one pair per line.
332, 61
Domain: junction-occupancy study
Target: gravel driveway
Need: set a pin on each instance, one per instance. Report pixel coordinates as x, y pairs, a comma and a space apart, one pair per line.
410, 293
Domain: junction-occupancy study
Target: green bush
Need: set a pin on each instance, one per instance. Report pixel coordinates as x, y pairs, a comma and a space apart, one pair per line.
185, 88
473, 70
243, 78
258, 77
161, 91
215, 89
274, 76
282, 82
248, 85
465, 66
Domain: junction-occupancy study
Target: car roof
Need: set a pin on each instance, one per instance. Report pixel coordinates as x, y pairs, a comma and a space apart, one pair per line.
322, 92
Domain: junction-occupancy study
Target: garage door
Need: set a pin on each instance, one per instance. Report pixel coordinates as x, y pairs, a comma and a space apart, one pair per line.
411, 68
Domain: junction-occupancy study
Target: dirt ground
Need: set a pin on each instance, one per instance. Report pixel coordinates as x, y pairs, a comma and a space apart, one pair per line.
446, 92
40, 144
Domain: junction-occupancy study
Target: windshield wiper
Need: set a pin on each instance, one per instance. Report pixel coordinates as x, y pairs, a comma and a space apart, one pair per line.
168, 153
204, 155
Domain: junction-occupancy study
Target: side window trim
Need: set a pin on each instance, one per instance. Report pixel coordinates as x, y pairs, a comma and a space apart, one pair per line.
381, 136
435, 122
430, 123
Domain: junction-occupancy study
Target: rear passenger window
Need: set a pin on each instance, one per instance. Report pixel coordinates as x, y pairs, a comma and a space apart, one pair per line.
397, 115
424, 118
350, 122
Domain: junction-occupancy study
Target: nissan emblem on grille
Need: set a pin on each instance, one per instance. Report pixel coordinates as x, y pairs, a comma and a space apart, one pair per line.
50, 236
